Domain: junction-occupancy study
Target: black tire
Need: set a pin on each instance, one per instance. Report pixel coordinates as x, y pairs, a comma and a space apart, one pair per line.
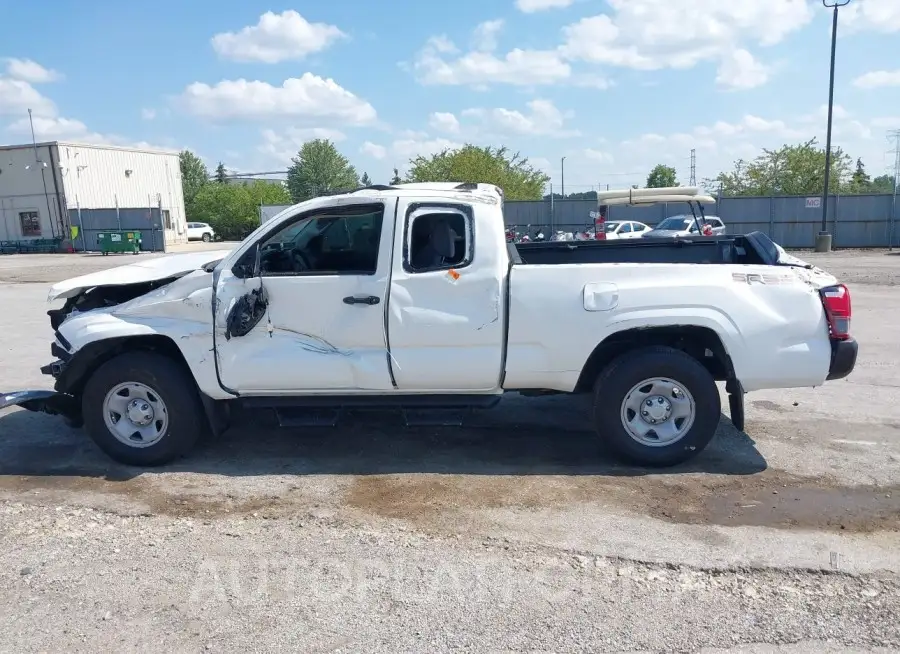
207, 238
619, 377
171, 382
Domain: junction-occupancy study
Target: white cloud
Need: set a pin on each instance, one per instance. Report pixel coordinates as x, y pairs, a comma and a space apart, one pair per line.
48, 128
542, 119
598, 155
276, 38
148, 114
411, 148
484, 38
373, 150
738, 70
679, 34
444, 122
309, 97
532, 6
30, 71
279, 147
17, 97
878, 79
518, 67
874, 15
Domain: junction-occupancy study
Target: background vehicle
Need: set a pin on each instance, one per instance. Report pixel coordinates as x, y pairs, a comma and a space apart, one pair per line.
617, 229
200, 232
409, 297
685, 225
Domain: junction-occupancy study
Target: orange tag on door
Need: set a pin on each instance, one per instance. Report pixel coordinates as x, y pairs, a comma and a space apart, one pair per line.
452, 274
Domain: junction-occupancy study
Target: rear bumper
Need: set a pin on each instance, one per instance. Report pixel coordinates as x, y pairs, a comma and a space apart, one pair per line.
843, 358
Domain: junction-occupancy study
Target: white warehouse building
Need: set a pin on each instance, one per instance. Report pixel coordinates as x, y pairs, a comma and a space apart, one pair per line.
50, 188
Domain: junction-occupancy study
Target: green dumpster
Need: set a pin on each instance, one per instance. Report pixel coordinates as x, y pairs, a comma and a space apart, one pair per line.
129, 241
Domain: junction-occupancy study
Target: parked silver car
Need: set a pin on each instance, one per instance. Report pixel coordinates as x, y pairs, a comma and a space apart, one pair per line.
684, 225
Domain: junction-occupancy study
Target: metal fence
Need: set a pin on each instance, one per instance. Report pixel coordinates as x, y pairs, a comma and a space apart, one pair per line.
855, 221
90, 222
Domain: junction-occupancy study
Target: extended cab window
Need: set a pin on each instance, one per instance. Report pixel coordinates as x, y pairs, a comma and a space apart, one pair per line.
439, 240
335, 241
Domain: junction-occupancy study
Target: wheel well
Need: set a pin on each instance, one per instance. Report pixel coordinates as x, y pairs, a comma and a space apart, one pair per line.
701, 343
93, 355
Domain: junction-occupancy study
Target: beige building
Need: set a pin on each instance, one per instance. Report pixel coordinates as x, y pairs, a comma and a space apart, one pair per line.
48, 188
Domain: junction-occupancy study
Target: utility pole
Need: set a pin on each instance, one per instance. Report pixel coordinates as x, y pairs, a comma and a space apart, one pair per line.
823, 238
562, 190
895, 136
693, 181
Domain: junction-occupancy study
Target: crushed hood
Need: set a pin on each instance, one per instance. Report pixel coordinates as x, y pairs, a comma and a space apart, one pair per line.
148, 270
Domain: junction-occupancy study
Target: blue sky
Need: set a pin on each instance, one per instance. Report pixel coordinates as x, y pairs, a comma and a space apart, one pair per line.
614, 86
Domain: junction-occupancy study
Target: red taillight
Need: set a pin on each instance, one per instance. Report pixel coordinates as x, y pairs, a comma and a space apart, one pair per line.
837, 309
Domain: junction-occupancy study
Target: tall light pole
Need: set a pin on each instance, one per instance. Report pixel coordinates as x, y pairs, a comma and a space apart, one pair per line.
562, 186
823, 239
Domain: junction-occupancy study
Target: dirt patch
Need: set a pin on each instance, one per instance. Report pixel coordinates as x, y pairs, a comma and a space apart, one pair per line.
434, 501
771, 499
141, 497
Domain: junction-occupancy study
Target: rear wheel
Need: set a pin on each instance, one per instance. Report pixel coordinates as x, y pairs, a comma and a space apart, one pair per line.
656, 406
142, 409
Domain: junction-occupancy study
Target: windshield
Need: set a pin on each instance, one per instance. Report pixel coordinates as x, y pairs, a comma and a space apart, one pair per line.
610, 227
675, 222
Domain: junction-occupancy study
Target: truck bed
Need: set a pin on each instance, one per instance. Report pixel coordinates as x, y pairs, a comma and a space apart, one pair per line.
752, 248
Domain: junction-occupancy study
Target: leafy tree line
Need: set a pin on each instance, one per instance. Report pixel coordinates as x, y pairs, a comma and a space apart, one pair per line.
798, 170
320, 169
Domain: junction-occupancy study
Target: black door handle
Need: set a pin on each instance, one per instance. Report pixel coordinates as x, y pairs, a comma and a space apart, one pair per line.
369, 300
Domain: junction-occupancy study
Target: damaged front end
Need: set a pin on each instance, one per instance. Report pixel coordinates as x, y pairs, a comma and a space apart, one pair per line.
97, 291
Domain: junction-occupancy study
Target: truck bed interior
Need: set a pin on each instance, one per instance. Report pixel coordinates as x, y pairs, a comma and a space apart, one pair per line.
753, 248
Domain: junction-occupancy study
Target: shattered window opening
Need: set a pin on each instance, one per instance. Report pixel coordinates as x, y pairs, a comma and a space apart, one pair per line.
333, 241
439, 240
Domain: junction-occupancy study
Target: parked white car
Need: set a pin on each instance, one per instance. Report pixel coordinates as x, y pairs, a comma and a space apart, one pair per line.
409, 297
200, 232
615, 229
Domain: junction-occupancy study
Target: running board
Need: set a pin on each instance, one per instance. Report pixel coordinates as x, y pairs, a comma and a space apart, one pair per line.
329, 410
293, 417
435, 417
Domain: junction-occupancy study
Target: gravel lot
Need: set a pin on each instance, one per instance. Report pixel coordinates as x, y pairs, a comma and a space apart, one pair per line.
514, 534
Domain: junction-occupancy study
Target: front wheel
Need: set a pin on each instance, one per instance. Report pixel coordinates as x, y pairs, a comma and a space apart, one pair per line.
656, 406
142, 409
207, 238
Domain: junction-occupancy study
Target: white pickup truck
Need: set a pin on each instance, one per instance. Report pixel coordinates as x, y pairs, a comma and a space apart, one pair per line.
408, 297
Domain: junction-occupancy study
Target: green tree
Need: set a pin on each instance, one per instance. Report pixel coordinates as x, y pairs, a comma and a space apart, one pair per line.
882, 184
789, 170
232, 210
860, 182
365, 180
396, 178
194, 175
221, 173
661, 176
470, 163
318, 169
